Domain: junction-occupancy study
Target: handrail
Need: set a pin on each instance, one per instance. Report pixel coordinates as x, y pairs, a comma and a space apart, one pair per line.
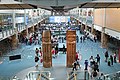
38, 75
112, 76
9, 30
72, 75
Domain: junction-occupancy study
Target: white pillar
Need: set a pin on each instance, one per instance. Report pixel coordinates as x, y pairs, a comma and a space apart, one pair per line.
14, 19
15, 28
25, 22
104, 37
92, 29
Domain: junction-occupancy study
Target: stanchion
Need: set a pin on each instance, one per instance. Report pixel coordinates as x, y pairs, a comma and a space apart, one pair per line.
88, 75
85, 75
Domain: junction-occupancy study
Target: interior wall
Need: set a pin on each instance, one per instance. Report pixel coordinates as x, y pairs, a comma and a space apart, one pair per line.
112, 18
99, 17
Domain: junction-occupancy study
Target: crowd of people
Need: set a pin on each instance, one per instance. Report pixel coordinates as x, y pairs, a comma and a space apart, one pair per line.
88, 35
95, 63
110, 59
92, 62
35, 38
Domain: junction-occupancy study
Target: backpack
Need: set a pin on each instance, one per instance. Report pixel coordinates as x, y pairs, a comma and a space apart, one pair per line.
36, 59
94, 74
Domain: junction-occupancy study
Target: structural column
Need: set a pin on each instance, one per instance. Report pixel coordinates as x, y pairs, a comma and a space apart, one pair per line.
86, 27
52, 13
119, 55
25, 33
104, 39
93, 30
71, 47
46, 48
25, 22
14, 42
31, 29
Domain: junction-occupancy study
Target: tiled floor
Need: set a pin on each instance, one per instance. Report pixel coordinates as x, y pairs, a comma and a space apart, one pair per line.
59, 70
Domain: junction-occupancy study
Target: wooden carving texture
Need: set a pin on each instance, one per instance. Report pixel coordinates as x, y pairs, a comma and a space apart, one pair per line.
71, 47
46, 48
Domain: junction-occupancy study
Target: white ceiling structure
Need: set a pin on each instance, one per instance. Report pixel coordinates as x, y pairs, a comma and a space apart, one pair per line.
58, 5
11, 4
101, 4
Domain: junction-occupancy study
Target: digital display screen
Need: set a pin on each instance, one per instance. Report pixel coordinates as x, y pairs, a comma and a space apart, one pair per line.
59, 19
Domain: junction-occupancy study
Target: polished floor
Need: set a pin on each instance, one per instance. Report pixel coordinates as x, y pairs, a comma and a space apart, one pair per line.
59, 71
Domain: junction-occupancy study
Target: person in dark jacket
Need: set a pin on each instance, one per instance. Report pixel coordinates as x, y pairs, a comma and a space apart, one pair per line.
111, 58
74, 66
98, 59
86, 64
64, 51
106, 56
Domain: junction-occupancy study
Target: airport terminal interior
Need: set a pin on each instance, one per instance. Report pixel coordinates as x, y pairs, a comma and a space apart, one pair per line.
59, 39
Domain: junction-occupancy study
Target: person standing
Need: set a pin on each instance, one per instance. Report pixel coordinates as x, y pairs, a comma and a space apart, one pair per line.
76, 58
96, 67
106, 56
98, 59
95, 38
86, 64
111, 58
91, 61
115, 57
53, 52
37, 51
77, 38
36, 61
64, 51
109, 62
40, 51
81, 39
30, 40
56, 51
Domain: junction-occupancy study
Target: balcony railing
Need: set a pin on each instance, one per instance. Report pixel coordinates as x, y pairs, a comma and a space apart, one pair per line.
84, 19
8, 31
38, 75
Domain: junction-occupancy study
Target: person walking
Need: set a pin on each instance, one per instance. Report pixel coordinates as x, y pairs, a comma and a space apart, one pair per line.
106, 56
111, 58
74, 66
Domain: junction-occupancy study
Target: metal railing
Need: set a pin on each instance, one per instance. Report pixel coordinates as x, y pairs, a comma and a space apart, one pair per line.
113, 76
9, 30
38, 75
78, 75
